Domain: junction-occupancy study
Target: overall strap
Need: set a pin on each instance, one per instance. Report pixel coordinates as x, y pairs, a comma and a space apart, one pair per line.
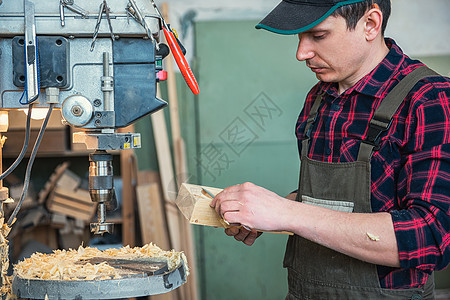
309, 122
382, 118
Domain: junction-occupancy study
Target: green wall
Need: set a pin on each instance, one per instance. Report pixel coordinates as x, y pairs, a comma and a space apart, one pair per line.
241, 128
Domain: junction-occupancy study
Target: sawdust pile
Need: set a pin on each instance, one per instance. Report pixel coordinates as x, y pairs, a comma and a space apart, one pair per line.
64, 264
4, 258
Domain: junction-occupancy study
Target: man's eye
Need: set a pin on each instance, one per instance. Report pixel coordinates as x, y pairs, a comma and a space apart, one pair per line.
319, 37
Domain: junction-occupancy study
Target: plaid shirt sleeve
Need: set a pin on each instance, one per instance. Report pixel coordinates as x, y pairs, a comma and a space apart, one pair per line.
411, 170
422, 224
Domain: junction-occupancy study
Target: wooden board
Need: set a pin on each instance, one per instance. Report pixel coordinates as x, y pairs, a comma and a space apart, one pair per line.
167, 175
195, 206
151, 214
128, 170
53, 141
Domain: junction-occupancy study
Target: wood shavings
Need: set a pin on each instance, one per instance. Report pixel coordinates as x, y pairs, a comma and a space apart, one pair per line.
372, 237
3, 140
64, 264
4, 260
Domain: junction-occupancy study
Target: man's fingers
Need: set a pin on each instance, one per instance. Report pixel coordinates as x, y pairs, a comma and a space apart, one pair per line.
251, 237
242, 235
228, 206
248, 237
232, 217
232, 231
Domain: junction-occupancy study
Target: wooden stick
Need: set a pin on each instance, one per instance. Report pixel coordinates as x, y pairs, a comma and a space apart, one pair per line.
128, 194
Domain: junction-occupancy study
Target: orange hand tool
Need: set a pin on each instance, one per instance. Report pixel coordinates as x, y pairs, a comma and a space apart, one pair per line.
178, 55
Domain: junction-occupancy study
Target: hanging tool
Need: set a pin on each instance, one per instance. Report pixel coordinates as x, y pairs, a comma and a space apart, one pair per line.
135, 13
73, 7
104, 8
31, 53
178, 54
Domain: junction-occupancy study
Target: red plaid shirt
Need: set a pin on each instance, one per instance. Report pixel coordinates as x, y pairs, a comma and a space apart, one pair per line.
410, 172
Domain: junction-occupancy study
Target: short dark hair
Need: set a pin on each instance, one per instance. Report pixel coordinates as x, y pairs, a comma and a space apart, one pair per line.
352, 13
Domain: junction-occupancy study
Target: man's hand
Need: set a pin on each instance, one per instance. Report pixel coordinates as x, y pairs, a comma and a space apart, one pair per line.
241, 234
252, 206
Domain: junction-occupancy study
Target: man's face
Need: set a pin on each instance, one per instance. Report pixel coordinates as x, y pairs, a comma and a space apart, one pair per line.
334, 53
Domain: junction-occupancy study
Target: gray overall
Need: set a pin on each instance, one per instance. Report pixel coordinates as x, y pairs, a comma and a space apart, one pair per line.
317, 272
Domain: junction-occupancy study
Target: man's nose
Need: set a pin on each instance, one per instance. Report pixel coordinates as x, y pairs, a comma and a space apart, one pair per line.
304, 49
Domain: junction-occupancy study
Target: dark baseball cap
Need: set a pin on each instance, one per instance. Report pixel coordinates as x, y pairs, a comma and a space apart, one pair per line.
296, 16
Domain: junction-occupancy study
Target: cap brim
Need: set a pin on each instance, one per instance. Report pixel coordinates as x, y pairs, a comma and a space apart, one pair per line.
290, 18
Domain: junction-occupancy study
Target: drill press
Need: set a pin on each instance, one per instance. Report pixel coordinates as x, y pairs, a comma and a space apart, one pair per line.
102, 76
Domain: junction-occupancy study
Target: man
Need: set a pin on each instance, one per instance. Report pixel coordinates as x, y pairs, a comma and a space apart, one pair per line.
372, 216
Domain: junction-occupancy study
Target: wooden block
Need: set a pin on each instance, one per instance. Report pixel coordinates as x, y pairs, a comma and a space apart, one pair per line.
73, 203
58, 220
77, 147
77, 206
69, 180
79, 195
68, 211
51, 183
195, 206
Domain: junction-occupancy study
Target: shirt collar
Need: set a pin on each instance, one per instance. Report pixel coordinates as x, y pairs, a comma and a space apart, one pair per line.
375, 82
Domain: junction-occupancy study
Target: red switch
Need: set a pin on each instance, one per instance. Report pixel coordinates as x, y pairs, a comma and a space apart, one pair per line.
161, 75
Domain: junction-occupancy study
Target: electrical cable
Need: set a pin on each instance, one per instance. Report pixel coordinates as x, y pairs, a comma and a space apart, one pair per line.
13, 216
24, 147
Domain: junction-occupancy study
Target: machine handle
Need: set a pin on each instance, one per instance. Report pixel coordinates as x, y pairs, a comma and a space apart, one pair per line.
181, 61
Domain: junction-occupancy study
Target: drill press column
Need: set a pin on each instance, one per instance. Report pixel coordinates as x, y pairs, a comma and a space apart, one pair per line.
101, 188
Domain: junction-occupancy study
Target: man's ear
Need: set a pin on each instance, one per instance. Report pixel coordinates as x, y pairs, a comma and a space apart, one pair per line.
374, 20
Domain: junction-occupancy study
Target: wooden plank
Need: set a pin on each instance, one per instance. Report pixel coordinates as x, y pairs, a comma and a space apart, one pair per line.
87, 208
167, 176
68, 211
180, 171
195, 207
152, 220
76, 206
163, 153
79, 195
147, 177
51, 183
127, 163
151, 214
167, 183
